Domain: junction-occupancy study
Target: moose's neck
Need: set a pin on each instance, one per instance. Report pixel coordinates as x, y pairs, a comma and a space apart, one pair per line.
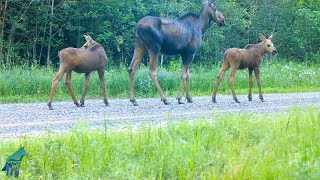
261, 48
204, 20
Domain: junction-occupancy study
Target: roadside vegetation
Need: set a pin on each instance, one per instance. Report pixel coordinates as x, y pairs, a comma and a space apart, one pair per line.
228, 146
31, 84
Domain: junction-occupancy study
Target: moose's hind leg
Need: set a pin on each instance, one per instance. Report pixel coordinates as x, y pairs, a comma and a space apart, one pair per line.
55, 82
224, 68
153, 75
231, 82
69, 87
136, 61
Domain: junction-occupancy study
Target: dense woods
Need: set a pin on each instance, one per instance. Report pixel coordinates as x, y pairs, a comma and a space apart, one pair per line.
33, 31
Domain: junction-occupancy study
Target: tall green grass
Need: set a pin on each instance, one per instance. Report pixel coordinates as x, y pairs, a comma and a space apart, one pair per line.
244, 146
22, 84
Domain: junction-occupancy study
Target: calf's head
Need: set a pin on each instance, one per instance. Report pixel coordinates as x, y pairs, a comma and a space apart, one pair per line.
268, 45
90, 42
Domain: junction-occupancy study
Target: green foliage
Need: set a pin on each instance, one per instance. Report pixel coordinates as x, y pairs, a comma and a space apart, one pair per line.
24, 84
25, 37
228, 146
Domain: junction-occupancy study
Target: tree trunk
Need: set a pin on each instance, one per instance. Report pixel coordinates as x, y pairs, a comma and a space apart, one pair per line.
2, 25
50, 35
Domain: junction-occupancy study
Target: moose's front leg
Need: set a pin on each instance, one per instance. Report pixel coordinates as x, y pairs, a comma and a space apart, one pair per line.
185, 77
257, 74
250, 84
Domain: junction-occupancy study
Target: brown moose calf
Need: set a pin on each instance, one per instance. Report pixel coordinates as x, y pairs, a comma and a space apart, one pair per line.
90, 57
250, 57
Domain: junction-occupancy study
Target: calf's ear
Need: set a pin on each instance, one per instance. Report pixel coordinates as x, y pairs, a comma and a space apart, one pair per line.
270, 37
262, 37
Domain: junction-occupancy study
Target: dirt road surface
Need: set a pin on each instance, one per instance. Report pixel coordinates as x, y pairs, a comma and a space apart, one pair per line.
35, 119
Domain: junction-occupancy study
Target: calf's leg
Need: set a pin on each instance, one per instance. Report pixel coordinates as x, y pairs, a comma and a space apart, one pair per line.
103, 86
69, 87
85, 89
55, 82
224, 68
257, 74
231, 81
132, 69
250, 84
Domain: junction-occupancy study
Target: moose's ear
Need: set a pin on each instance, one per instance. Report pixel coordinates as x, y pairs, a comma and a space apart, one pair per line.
211, 2
88, 38
270, 37
262, 37
204, 1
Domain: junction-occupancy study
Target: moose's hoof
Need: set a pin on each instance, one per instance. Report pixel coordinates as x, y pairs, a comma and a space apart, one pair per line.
214, 99
262, 100
250, 97
236, 100
165, 101
50, 106
180, 100
106, 102
134, 102
77, 104
189, 99
81, 103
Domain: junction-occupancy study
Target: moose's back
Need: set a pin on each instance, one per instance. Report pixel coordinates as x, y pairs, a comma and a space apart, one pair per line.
83, 60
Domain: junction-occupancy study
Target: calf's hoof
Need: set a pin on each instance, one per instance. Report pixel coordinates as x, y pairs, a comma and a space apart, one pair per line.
189, 99
250, 97
165, 101
214, 99
180, 100
134, 102
262, 100
236, 100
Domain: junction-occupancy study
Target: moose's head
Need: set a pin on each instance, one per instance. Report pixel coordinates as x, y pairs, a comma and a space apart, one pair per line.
209, 6
268, 45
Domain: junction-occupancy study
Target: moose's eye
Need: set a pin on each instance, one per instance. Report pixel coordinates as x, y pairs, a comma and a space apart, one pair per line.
268, 45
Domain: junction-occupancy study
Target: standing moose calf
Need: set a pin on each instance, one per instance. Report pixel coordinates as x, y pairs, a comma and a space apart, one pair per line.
90, 57
171, 36
250, 57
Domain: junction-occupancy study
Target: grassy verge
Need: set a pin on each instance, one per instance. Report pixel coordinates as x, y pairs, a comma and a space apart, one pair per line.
33, 84
245, 146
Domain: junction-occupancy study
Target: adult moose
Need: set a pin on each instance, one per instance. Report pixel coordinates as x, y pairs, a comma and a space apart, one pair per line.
171, 36
90, 57
250, 57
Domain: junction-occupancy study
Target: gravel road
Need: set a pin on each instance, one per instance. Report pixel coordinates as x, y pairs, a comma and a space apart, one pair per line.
18, 120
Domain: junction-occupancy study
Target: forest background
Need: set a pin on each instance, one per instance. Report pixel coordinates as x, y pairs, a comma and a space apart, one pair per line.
33, 31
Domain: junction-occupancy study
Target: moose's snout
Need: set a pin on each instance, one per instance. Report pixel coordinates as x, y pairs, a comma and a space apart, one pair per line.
222, 22
274, 52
